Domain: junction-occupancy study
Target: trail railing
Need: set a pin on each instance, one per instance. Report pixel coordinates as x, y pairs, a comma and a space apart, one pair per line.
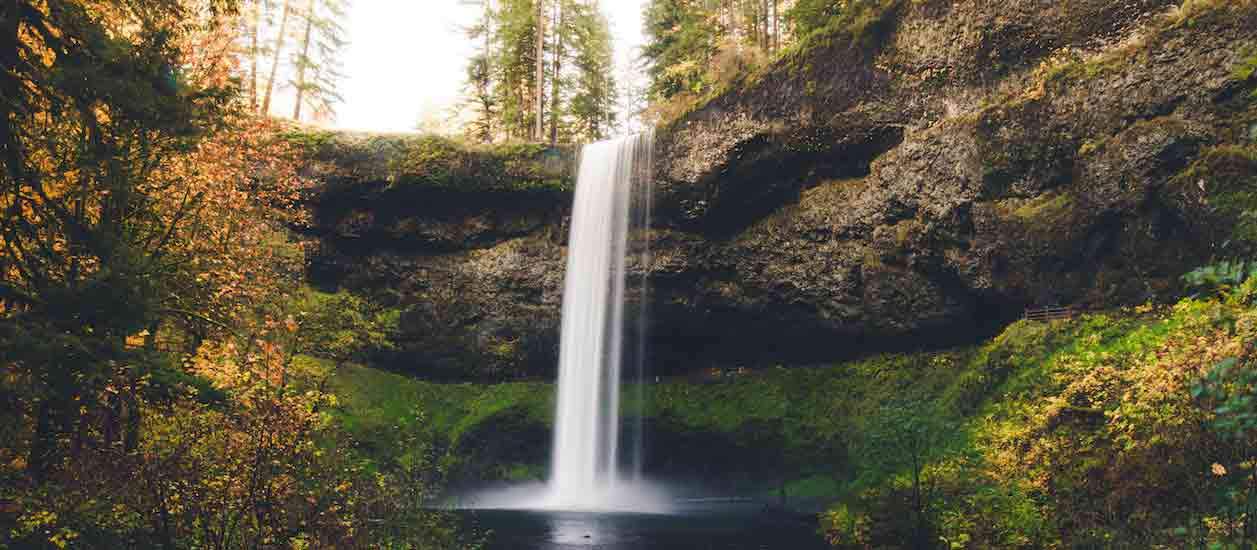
1050, 314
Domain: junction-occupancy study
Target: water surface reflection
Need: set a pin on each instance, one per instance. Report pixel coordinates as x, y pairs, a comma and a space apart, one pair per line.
709, 527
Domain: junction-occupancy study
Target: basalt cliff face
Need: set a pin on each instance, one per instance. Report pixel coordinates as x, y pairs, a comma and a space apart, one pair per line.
918, 173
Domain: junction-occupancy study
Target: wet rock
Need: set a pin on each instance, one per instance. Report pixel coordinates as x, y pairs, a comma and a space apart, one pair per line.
916, 182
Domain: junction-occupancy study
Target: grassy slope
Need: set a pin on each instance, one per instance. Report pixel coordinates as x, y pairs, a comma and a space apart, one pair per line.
1030, 427
813, 407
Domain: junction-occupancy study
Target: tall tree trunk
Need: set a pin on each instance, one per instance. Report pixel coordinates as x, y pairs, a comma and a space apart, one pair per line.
756, 27
488, 33
279, 47
540, 124
767, 25
131, 404
10, 87
254, 52
40, 458
304, 61
777, 25
484, 92
558, 67
55, 416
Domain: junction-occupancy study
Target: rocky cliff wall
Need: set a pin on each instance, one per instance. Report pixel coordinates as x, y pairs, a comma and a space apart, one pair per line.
917, 173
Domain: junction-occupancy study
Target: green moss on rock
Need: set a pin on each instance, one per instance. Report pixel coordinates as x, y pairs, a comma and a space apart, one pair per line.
437, 161
1043, 212
1225, 177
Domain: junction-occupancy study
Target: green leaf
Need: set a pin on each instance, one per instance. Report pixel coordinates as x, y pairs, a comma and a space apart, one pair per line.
1226, 364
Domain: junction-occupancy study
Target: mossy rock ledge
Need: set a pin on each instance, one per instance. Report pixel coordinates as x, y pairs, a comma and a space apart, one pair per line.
925, 170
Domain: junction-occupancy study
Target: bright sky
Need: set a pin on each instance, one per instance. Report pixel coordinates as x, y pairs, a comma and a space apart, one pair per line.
406, 59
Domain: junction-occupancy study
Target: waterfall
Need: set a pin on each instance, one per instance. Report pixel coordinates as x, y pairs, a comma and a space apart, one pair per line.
612, 203
595, 467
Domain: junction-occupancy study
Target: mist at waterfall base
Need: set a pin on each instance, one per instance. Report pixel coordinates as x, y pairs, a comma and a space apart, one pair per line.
596, 464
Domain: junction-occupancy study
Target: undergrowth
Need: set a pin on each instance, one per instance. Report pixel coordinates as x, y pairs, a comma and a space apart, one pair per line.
1032, 439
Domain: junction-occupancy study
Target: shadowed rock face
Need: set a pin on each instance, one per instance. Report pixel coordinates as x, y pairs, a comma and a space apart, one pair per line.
919, 179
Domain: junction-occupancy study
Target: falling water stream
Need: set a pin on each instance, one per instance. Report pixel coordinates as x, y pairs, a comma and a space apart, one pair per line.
612, 203
597, 459
596, 496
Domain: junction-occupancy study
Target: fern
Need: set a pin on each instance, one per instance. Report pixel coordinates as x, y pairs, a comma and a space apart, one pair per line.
1220, 277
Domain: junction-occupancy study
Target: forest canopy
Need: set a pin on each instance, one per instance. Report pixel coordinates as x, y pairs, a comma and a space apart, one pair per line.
543, 71
149, 377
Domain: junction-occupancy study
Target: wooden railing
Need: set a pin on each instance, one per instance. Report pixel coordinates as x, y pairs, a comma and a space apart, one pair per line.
1050, 314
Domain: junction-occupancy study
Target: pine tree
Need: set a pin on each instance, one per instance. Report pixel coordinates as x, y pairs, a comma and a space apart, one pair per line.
808, 15
593, 103
513, 63
682, 39
556, 66
565, 89
481, 99
318, 61
479, 87
277, 50
694, 46
539, 59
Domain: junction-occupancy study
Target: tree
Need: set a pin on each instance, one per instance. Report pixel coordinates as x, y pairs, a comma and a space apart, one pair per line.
593, 102
135, 199
481, 100
340, 327
807, 16
302, 42
682, 38
145, 334
507, 80
556, 66
479, 88
256, 9
318, 62
513, 61
93, 106
906, 436
276, 52
695, 46
539, 57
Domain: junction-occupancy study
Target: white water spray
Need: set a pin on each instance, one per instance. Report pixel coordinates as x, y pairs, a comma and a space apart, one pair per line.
612, 204
612, 186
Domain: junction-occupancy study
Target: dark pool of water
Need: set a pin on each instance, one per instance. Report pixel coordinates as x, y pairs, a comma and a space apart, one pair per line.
696, 527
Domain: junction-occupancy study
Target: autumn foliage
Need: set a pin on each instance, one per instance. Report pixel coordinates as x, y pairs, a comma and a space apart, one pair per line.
1132, 429
146, 332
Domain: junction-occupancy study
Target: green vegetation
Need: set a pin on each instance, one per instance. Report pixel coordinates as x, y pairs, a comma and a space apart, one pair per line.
1044, 211
860, 24
703, 61
375, 400
815, 408
1024, 441
375, 405
438, 162
810, 15
695, 47
544, 71
1224, 177
1196, 12
168, 379
1247, 68
1220, 277
1084, 415
150, 395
